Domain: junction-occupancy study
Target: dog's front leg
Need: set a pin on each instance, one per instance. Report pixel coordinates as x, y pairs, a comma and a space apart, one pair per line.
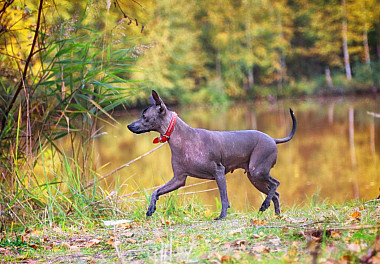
173, 184
220, 178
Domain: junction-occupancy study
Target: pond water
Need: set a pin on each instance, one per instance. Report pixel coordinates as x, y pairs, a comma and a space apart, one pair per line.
334, 153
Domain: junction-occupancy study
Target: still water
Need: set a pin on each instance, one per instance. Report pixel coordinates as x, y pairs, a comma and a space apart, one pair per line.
335, 152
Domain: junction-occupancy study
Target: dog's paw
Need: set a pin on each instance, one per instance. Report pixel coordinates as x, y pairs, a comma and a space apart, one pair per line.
150, 211
264, 206
220, 217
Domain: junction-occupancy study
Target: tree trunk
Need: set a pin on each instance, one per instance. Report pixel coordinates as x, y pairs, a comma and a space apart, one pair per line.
282, 56
328, 78
355, 184
218, 66
366, 48
345, 46
248, 36
251, 80
378, 41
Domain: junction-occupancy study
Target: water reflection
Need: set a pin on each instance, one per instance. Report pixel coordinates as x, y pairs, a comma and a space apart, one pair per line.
335, 150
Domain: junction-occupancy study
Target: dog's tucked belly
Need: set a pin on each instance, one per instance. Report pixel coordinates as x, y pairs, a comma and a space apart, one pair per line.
205, 151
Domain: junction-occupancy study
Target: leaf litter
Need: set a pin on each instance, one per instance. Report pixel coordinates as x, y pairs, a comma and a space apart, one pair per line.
298, 236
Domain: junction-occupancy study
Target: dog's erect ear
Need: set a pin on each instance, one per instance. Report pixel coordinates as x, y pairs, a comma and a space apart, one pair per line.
157, 100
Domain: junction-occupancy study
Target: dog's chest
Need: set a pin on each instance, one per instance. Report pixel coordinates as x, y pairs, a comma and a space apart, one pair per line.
194, 158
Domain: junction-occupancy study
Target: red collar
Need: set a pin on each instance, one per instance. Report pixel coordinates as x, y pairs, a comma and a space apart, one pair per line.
166, 136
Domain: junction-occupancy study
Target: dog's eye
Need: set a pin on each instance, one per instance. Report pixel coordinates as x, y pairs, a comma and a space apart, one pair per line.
143, 116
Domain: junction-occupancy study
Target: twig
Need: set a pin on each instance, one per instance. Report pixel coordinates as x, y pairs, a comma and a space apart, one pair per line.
290, 226
374, 200
373, 114
117, 4
5, 117
208, 190
5, 6
198, 183
124, 165
155, 187
320, 222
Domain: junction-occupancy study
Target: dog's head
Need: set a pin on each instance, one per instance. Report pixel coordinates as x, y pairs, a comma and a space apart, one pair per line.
152, 117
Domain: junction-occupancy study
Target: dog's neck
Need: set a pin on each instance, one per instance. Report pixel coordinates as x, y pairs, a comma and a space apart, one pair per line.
165, 123
181, 131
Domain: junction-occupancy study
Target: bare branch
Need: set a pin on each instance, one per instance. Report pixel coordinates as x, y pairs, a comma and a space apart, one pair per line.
31, 53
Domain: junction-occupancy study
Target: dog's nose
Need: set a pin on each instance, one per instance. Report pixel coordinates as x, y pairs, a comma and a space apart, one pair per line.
130, 127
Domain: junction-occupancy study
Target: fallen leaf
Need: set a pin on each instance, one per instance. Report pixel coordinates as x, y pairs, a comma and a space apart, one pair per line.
346, 258
356, 215
208, 213
36, 232
274, 241
125, 225
129, 234
65, 245
285, 229
74, 248
335, 234
226, 246
377, 243
311, 244
236, 255
165, 222
240, 242
113, 242
130, 240
293, 220
199, 237
218, 256
255, 236
225, 258
116, 222
257, 222
234, 232
261, 249
376, 259
34, 246
92, 242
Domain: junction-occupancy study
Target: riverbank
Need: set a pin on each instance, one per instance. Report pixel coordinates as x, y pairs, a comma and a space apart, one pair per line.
316, 232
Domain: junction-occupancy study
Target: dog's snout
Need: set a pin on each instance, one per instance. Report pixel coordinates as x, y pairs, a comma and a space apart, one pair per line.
137, 128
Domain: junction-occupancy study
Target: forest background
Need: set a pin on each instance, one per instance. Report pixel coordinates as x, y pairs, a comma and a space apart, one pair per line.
64, 65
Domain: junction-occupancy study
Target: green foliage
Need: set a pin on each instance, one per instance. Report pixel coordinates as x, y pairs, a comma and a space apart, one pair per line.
211, 50
75, 74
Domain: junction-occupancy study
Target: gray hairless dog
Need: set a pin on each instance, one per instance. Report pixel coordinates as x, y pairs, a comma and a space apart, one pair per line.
209, 154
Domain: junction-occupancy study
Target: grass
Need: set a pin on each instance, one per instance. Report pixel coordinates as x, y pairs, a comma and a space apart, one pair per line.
184, 232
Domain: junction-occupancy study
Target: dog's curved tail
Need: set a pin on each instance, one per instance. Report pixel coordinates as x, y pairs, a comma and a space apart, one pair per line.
286, 139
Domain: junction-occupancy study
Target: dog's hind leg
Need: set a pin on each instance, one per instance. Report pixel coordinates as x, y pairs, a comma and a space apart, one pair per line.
261, 162
264, 188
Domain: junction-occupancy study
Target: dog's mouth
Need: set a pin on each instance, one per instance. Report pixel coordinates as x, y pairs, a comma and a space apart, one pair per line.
137, 130
140, 131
